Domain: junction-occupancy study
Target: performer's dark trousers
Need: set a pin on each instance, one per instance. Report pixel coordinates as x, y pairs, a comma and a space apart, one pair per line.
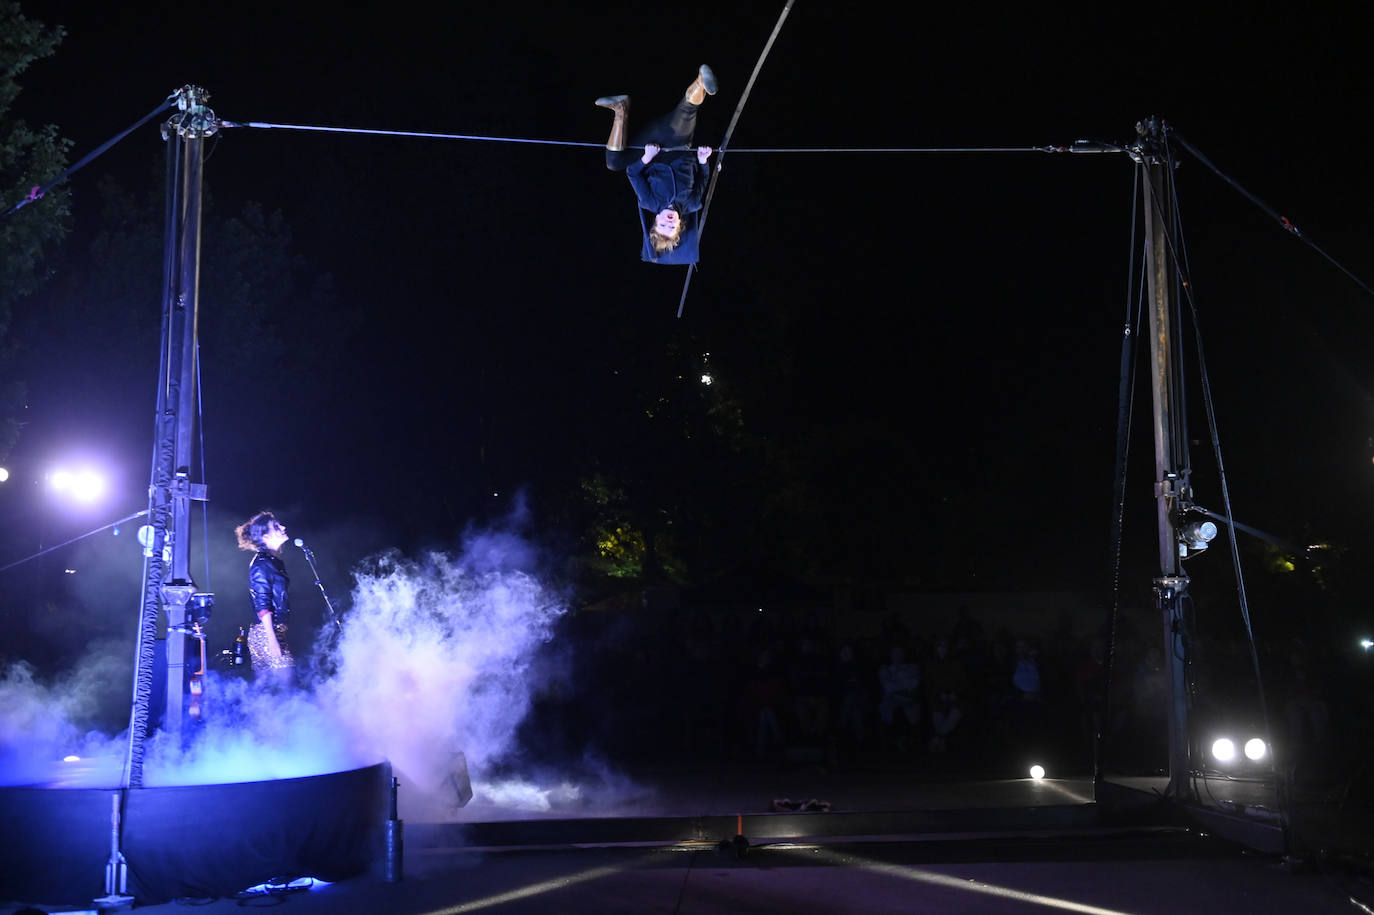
675, 128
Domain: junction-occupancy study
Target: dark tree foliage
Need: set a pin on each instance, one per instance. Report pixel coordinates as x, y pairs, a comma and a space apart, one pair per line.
255, 293
30, 156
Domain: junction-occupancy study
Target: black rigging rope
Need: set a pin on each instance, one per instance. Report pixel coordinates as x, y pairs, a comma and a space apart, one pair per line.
1179, 256
38, 191
1269, 211
150, 604
1135, 292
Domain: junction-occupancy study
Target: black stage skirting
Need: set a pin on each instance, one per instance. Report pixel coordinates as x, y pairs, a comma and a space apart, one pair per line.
193, 841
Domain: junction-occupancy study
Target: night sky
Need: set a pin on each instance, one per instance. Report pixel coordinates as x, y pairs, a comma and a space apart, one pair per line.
933, 338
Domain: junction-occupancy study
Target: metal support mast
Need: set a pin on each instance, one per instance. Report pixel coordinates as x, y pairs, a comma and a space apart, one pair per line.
167, 586
1172, 491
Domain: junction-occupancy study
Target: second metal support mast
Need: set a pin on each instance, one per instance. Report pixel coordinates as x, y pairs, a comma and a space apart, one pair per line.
1171, 482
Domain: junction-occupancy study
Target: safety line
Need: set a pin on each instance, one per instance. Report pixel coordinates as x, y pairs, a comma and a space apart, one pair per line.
58, 546
725, 144
1079, 147
405, 133
39, 190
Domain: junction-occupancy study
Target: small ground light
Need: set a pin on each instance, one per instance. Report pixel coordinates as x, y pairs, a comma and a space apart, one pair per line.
1224, 750
1255, 749
1037, 772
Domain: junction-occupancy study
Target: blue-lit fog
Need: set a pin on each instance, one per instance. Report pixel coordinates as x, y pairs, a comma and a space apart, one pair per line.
439, 654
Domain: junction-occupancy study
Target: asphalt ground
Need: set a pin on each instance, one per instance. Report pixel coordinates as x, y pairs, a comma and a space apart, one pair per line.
888, 843
1090, 871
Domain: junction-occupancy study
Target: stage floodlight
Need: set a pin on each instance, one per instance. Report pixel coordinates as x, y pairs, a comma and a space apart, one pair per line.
1195, 536
4, 474
1037, 772
201, 605
1223, 750
1255, 749
85, 485
1367, 644
88, 486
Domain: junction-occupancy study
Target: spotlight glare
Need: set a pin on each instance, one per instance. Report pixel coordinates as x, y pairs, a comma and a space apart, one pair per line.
1367, 644
4, 474
1255, 749
87, 486
71, 759
1223, 749
1037, 772
83, 485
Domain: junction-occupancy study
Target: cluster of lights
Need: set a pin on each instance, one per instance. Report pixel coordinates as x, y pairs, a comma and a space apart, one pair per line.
1224, 750
83, 485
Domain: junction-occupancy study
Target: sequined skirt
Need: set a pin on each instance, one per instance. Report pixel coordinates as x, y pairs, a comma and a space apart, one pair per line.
257, 648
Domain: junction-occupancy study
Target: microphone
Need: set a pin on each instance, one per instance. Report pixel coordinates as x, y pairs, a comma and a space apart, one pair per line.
299, 542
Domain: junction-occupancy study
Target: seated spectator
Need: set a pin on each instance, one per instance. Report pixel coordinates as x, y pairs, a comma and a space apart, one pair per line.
946, 685
811, 688
946, 714
852, 698
763, 698
1025, 672
900, 681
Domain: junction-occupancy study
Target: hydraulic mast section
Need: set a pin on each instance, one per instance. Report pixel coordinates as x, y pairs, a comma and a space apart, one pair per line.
167, 585
1172, 490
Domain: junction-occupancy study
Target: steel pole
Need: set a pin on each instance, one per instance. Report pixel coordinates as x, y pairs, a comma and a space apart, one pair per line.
1172, 584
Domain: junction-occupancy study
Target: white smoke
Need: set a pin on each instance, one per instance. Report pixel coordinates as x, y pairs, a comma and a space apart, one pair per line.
438, 660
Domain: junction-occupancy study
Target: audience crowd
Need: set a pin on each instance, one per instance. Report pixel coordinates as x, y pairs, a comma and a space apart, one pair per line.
780, 689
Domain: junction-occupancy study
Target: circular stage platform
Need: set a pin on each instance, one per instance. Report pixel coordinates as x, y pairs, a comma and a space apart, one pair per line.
190, 841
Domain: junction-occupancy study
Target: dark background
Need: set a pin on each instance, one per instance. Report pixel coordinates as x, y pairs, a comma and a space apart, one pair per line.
916, 354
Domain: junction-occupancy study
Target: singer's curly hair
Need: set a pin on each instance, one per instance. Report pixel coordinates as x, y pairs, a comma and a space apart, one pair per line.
251, 532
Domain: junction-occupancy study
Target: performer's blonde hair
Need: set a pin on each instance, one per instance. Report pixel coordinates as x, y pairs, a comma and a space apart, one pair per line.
663, 243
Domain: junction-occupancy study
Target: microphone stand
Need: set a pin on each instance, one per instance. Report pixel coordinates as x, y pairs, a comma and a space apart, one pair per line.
310, 558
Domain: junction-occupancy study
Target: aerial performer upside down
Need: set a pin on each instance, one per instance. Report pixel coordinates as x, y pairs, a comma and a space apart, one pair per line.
670, 183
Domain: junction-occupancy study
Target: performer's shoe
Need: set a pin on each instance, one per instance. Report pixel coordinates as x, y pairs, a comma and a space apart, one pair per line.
620, 105
702, 86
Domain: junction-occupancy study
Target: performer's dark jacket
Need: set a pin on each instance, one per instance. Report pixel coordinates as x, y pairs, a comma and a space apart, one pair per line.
267, 584
673, 179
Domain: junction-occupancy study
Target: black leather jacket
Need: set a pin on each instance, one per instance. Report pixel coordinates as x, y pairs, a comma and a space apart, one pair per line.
267, 583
